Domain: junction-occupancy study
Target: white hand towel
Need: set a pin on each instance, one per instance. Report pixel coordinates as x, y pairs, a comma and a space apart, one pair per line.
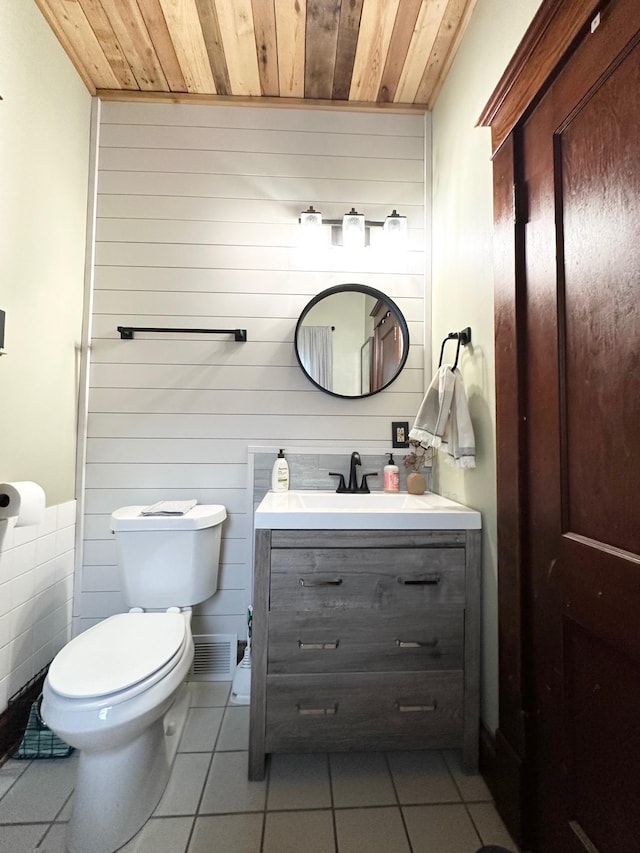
169, 508
433, 414
458, 439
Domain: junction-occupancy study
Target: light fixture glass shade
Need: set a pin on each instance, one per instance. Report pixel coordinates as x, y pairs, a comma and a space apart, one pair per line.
311, 227
353, 232
395, 229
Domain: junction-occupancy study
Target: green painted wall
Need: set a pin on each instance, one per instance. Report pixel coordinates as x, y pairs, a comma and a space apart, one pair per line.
44, 156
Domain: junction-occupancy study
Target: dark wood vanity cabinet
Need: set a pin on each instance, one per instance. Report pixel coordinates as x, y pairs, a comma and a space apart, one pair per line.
365, 640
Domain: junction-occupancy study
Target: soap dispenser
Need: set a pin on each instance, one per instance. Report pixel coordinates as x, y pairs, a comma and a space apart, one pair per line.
391, 476
280, 474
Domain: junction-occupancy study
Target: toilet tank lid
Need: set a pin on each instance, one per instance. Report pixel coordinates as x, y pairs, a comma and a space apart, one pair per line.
201, 515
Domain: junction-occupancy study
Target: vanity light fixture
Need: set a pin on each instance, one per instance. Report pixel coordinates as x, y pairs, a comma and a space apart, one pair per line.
395, 229
311, 227
353, 230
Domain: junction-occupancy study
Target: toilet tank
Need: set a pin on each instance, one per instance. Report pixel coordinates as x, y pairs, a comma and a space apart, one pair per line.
168, 561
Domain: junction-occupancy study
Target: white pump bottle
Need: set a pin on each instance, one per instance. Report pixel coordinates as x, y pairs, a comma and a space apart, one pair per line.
280, 474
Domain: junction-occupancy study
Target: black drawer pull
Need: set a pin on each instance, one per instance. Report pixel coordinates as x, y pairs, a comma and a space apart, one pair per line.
335, 582
417, 644
429, 580
314, 647
411, 709
329, 711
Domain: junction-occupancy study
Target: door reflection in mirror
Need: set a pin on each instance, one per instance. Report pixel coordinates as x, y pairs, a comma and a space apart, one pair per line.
351, 340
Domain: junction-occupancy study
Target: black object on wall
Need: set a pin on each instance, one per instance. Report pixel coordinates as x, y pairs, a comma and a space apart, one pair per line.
126, 332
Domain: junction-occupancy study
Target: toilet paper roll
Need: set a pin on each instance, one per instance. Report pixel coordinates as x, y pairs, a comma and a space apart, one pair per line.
23, 501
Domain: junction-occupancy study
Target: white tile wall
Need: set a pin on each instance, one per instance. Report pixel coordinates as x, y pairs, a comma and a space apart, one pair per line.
197, 214
36, 590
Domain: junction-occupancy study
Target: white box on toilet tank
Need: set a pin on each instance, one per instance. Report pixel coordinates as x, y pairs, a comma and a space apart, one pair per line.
168, 560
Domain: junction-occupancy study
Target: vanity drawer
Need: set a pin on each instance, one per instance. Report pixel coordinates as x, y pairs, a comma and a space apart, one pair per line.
371, 579
379, 642
414, 710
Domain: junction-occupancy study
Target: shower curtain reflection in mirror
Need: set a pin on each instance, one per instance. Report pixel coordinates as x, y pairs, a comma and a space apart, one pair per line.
315, 347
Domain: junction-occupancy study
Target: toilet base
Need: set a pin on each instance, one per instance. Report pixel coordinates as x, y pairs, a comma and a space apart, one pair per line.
117, 791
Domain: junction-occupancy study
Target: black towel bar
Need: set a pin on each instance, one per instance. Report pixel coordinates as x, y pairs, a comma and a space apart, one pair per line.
126, 332
463, 338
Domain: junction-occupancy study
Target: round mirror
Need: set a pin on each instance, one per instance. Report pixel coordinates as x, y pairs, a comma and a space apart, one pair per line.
351, 340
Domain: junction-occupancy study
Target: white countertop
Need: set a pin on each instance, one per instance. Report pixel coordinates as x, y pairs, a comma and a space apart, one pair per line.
327, 510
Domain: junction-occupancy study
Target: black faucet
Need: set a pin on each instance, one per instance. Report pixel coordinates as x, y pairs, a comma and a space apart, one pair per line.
353, 487
353, 476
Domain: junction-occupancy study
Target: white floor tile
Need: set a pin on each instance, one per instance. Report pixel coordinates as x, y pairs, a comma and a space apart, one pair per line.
240, 833
472, 786
21, 839
54, 840
234, 732
299, 782
422, 777
40, 792
9, 773
209, 694
284, 831
161, 835
201, 730
441, 828
373, 830
227, 788
361, 779
185, 785
65, 814
490, 826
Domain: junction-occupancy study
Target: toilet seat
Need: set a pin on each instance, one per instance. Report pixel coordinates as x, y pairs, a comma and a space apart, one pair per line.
117, 654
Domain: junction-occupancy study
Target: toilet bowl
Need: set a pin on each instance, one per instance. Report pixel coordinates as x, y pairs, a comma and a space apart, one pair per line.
104, 684
118, 691
123, 704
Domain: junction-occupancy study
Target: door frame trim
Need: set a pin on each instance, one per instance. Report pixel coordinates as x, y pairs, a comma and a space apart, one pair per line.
547, 44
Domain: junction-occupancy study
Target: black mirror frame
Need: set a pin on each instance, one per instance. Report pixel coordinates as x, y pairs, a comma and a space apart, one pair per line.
369, 291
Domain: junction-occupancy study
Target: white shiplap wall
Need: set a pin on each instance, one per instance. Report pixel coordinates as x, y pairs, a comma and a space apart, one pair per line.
197, 227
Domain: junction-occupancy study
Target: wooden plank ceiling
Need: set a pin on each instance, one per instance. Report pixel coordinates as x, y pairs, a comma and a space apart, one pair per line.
353, 53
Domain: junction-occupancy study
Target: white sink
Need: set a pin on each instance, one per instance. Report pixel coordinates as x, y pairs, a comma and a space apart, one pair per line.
375, 500
327, 510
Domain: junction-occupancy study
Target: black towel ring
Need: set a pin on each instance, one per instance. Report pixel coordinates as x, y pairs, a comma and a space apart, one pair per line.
463, 338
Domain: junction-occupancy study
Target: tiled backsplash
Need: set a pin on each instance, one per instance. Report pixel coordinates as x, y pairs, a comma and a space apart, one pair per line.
36, 595
311, 471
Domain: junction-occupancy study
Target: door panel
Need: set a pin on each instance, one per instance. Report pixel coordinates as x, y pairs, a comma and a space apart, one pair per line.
581, 155
603, 747
597, 154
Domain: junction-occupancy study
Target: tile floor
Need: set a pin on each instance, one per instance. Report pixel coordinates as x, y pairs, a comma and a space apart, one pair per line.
395, 802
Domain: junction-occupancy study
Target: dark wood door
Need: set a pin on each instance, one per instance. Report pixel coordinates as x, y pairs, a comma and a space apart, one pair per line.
388, 344
581, 156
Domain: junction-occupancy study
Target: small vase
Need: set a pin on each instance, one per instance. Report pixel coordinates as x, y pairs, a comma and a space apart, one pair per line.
416, 483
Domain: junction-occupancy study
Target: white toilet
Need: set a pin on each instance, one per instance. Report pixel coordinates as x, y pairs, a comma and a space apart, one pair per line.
117, 691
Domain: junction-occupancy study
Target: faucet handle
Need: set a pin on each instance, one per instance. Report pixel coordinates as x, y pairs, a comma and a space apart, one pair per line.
364, 485
341, 484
